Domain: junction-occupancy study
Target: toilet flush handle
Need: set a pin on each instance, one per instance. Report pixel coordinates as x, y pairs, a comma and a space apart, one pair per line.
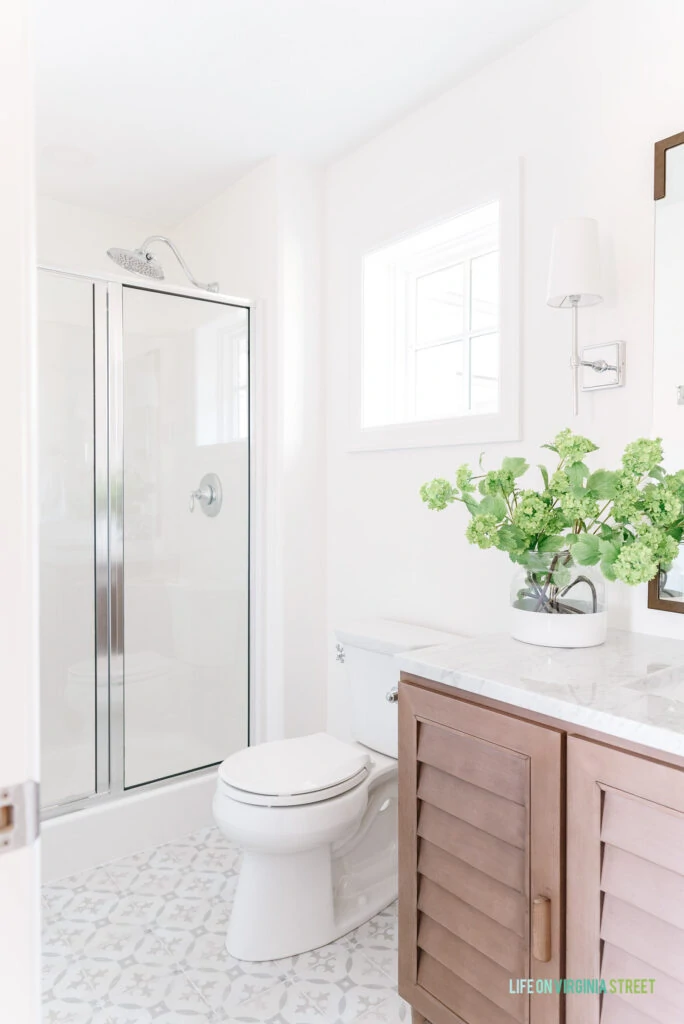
392, 696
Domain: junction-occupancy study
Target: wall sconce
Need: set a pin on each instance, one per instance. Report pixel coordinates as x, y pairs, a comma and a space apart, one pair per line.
574, 281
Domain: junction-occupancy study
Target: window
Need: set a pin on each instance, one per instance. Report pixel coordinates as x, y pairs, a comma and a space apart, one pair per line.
222, 382
440, 334
431, 323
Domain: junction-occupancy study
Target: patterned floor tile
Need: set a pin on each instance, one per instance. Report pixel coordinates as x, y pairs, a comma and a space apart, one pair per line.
142, 941
66, 938
116, 942
53, 967
55, 1011
117, 1015
137, 909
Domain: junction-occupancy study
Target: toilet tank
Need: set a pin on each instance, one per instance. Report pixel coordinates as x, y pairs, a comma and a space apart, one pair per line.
367, 651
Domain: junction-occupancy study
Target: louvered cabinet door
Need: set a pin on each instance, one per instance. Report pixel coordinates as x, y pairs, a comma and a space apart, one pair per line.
480, 838
625, 884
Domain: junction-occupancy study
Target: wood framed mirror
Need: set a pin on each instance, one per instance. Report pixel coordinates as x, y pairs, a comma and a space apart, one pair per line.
666, 591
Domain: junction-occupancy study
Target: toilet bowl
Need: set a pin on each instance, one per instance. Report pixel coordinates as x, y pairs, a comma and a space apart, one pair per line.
316, 816
304, 843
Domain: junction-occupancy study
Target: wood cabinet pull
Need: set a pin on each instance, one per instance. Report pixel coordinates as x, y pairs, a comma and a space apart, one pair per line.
541, 928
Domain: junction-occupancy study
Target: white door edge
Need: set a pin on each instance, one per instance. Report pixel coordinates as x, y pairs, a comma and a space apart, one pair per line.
19, 866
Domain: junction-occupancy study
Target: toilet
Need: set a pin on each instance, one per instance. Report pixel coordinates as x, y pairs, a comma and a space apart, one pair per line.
316, 816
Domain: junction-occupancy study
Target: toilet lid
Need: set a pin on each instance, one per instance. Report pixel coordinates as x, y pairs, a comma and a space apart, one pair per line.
303, 770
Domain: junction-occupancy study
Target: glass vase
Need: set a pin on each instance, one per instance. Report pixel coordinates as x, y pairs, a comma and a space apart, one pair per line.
557, 603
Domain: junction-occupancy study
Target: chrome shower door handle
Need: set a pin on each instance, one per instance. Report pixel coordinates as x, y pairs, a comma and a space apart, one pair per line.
209, 494
200, 495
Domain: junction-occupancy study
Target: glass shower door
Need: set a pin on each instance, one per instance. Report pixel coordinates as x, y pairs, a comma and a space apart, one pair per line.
66, 459
182, 470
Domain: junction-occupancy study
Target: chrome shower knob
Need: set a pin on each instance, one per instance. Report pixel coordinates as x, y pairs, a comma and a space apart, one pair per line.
209, 495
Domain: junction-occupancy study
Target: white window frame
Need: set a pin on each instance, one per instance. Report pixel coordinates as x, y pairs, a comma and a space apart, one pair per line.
500, 185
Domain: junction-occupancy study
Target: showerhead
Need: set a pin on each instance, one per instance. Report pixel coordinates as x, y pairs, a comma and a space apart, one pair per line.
138, 261
143, 261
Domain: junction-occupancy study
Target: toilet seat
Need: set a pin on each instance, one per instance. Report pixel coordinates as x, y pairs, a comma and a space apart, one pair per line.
294, 772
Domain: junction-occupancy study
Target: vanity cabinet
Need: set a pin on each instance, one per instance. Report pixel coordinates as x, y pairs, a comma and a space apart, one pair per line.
485, 868
479, 861
625, 883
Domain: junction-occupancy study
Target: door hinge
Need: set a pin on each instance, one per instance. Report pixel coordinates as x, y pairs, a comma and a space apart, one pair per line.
19, 816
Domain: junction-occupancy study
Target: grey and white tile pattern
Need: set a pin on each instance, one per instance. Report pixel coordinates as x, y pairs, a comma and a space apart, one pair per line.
142, 941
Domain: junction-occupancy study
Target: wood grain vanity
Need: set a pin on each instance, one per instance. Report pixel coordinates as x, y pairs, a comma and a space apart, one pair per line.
537, 847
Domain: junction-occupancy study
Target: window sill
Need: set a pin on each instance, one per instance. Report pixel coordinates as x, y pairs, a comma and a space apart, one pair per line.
461, 430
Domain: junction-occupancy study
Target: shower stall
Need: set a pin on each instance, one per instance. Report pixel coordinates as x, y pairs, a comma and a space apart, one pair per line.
144, 479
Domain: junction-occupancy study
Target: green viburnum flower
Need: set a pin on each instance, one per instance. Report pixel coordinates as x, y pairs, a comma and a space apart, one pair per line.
665, 548
573, 447
557, 521
661, 505
635, 564
582, 507
437, 494
497, 482
642, 455
483, 531
532, 512
626, 502
464, 478
675, 482
629, 524
559, 483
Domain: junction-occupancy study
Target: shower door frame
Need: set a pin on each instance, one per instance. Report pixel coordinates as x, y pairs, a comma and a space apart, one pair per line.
108, 398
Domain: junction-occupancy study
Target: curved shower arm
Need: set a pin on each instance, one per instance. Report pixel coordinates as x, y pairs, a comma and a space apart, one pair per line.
211, 287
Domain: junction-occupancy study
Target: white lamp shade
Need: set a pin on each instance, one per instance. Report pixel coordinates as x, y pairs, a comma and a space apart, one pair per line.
575, 263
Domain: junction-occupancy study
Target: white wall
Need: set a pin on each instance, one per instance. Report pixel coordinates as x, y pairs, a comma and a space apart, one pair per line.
74, 238
582, 104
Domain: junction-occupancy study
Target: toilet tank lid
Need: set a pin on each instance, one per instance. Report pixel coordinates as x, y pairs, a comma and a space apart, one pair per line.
385, 636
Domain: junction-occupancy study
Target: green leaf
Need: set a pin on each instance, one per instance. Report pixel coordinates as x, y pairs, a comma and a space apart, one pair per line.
551, 448
609, 549
577, 474
553, 543
571, 539
586, 550
603, 483
676, 532
516, 466
561, 576
545, 475
512, 540
607, 570
471, 504
536, 563
658, 473
492, 506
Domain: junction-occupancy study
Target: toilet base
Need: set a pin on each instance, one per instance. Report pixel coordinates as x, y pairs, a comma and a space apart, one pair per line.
270, 890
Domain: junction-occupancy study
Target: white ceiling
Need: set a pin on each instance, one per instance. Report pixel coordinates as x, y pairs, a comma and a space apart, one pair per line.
151, 108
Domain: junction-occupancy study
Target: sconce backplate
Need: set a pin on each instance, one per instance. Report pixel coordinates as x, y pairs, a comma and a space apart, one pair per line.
611, 354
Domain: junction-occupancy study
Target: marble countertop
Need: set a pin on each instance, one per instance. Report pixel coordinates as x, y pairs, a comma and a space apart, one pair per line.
632, 687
